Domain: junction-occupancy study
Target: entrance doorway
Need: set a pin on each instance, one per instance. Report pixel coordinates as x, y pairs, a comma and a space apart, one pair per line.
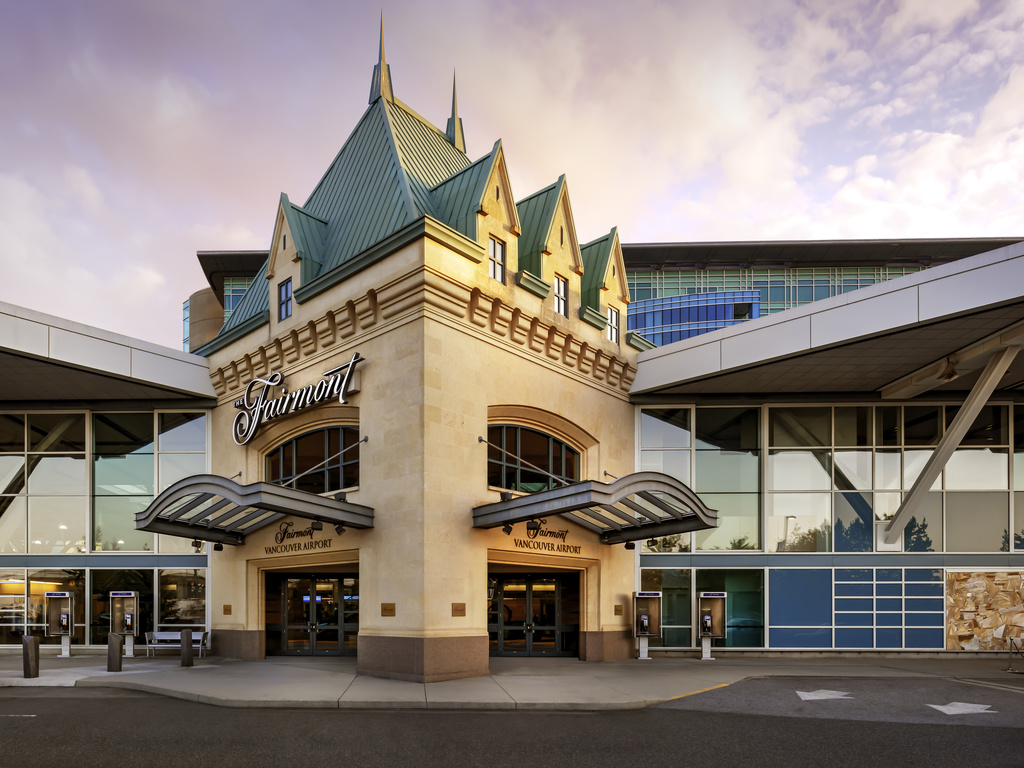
312, 614
534, 614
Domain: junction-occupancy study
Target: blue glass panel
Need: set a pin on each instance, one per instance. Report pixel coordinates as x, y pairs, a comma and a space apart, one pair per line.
888, 590
853, 574
889, 574
853, 604
853, 638
800, 597
925, 638
889, 619
787, 637
924, 619
853, 589
925, 590
854, 619
925, 604
889, 604
888, 638
924, 574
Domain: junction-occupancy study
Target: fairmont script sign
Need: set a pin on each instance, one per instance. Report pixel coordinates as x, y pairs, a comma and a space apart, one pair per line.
257, 406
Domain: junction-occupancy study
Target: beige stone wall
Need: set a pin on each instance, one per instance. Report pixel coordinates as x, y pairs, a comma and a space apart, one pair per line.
984, 610
446, 350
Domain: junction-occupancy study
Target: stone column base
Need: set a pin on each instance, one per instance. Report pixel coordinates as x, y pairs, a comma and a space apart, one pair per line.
248, 644
606, 646
423, 659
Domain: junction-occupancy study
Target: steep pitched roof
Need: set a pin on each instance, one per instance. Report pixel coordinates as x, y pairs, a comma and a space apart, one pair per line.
598, 256
536, 213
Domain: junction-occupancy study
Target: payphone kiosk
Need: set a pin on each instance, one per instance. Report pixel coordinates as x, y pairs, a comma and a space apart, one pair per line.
59, 616
646, 620
710, 620
124, 618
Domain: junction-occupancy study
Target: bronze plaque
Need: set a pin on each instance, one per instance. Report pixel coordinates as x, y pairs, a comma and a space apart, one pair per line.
458, 609
387, 609
227, 610
618, 610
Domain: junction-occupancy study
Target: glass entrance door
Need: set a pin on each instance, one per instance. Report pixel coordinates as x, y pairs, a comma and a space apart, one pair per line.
534, 615
310, 615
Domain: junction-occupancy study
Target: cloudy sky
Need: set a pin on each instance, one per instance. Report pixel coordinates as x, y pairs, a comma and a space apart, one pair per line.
134, 133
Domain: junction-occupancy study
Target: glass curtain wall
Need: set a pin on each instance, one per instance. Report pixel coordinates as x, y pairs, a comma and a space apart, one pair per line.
71, 485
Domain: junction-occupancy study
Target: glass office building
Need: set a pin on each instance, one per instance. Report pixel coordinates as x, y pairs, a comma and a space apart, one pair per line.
681, 290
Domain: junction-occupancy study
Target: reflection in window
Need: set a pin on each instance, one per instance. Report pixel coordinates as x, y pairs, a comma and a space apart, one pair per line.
57, 524
515, 454
318, 462
674, 585
182, 597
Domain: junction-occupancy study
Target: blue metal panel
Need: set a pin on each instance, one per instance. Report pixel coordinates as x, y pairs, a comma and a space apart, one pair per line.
800, 637
847, 637
925, 638
799, 597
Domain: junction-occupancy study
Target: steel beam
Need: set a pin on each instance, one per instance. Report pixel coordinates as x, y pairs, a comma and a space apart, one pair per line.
976, 400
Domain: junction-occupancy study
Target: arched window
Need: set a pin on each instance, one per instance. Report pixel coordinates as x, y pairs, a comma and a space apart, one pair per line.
315, 461
523, 449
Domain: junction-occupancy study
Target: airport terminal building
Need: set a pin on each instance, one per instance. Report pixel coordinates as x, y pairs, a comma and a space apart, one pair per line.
425, 436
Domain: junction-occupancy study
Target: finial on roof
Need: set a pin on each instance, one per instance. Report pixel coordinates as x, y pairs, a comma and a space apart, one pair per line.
454, 128
381, 83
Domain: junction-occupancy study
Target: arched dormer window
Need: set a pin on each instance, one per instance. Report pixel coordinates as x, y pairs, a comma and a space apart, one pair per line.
319, 462
521, 450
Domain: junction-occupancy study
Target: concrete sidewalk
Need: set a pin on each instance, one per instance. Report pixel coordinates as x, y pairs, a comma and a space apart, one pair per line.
514, 683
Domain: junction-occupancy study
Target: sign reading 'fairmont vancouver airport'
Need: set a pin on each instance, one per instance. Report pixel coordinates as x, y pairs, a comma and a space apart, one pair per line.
257, 407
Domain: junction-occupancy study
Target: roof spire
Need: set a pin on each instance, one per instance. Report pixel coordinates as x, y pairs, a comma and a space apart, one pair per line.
381, 83
454, 128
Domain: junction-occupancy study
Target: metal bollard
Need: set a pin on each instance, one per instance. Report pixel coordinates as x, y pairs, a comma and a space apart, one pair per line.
186, 647
115, 649
30, 655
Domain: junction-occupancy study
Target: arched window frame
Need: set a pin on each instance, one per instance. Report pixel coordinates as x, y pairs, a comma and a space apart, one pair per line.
513, 448
310, 461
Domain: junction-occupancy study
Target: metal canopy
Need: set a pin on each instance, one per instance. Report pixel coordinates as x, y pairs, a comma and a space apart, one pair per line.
637, 506
213, 508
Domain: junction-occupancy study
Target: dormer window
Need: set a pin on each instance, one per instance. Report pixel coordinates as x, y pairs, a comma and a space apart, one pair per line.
284, 300
496, 260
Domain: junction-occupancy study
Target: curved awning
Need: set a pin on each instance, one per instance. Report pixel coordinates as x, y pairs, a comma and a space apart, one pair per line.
638, 506
213, 508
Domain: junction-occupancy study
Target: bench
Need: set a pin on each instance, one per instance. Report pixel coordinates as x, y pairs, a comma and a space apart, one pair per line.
172, 640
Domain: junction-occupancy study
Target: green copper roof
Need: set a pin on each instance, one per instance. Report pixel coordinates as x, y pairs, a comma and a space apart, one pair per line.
460, 197
595, 254
536, 215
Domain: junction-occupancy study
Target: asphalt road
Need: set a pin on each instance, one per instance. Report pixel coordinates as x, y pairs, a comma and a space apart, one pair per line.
755, 723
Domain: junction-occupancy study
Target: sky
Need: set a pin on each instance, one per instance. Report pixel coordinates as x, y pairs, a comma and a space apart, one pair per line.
134, 133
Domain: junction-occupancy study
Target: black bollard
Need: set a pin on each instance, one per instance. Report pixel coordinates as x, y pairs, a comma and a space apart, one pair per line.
30, 655
186, 647
115, 650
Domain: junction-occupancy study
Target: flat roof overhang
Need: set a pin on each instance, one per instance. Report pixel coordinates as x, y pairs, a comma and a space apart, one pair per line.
49, 360
638, 506
933, 331
777, 254
214, 508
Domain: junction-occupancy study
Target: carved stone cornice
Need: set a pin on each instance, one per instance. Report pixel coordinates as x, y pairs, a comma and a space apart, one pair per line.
420, 290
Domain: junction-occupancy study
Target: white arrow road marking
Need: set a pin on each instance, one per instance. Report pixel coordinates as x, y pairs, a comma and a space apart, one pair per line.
960, 708
821, 694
